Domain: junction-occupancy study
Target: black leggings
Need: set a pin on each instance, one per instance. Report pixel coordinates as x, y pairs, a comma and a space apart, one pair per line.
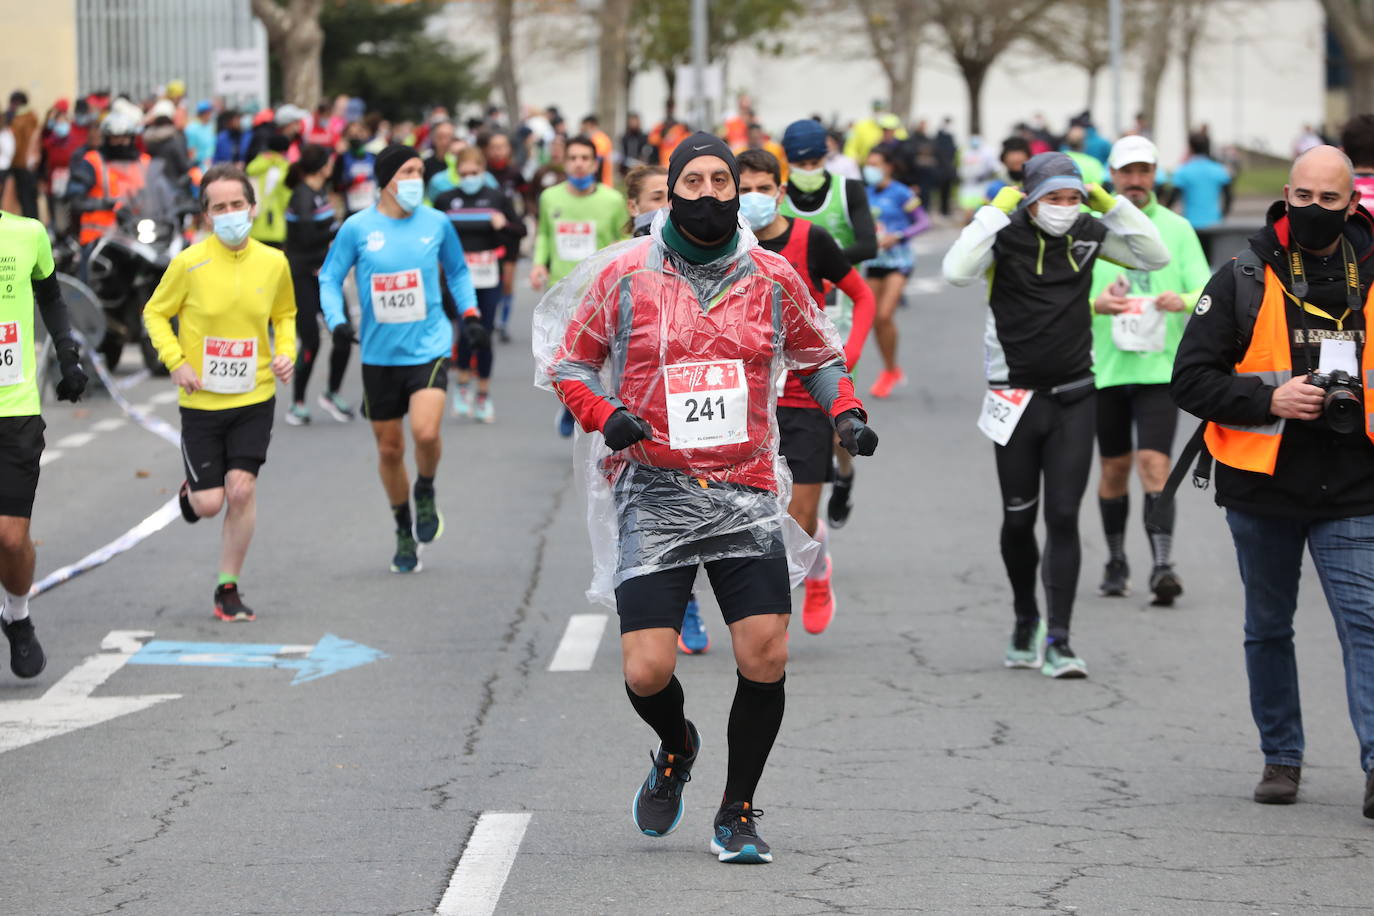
1055, 440
488, 301
307, 287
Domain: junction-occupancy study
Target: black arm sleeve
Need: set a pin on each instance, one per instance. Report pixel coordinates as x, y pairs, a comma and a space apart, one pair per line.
1204, 381
450, 305
515, 226
54, 311
865, 245
824, 259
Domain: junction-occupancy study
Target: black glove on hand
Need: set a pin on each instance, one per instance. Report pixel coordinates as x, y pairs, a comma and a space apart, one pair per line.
345, 335
623, 429
479, 338
855, 435
73, 382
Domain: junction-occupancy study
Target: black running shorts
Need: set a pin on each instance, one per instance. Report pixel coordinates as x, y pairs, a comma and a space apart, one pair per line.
806, 440
1148, 407
387, 389
21, 445
214, 442
744, 587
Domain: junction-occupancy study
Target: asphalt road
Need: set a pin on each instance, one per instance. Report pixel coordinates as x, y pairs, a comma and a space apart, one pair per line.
913, 773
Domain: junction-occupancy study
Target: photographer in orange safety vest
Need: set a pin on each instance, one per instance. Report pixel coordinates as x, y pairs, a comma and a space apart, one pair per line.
1276, 358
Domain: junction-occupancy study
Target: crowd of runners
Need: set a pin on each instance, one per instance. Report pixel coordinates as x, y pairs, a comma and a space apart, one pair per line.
705, 297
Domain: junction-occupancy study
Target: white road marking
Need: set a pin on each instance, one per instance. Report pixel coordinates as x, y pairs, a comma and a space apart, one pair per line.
68, 704
165, 397
75, 440
477, 882
927, 285
145, 407
48, 457
109, 424
577, 649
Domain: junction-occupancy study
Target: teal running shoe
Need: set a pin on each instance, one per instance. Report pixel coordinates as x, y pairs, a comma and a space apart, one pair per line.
737, 838
1061, 661
407, 558
429, 521
657, 806
1027, 646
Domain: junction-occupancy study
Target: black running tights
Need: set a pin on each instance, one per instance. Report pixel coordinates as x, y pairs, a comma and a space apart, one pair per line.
307, 287
1053, 441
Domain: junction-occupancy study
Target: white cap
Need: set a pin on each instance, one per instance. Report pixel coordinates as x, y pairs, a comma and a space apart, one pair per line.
163, 108
1134, 148
290, 114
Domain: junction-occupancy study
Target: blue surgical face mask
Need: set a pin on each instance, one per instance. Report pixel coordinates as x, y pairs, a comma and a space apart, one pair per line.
246, 122
410, 193
873, 174
62, 129
233, 227
470, 184
758, 209
582, 184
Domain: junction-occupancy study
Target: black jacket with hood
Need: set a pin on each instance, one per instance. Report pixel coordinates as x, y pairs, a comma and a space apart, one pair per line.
1320, 474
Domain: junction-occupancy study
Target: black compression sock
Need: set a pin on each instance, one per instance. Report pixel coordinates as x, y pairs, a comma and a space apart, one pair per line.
1114, 515
663, 713
424, 484
402, 515
755, 718
1161, 534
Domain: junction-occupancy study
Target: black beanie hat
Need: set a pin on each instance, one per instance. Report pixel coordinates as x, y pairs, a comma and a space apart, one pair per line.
389, 162
699, 144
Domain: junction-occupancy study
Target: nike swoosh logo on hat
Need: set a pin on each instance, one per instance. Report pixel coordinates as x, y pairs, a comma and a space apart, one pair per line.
697, 149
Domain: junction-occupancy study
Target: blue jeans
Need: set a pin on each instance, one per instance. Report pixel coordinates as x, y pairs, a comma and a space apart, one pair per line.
1270, 555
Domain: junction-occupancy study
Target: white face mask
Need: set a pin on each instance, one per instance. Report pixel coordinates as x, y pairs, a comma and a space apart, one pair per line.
1055, 220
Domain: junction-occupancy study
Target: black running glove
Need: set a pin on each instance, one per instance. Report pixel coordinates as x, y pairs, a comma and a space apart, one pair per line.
623, 429
855, 435
344, 335
479, 338
73, 382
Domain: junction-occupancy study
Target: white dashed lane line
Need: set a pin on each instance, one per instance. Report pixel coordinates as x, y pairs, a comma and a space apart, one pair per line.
577, 649
75, 440
165, 397
109, 425
480, 876
48, 457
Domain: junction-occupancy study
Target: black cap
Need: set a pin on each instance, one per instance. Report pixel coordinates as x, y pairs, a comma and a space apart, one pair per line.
699, 144
389, 162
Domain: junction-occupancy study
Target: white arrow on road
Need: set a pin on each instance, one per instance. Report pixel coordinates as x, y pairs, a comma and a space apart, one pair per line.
68, 704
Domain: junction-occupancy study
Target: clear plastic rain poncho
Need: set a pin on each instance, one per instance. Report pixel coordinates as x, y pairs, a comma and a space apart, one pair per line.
699, 351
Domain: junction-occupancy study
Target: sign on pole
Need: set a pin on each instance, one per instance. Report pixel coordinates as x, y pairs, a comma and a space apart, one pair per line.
240, 72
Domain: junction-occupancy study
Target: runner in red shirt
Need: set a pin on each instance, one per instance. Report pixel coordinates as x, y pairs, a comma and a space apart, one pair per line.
672, 348
807, 441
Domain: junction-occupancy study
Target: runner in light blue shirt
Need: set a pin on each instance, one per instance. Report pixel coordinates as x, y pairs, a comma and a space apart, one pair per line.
1200, 180
397, 248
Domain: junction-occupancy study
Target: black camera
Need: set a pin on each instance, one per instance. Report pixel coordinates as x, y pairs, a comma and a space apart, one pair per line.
1343, 405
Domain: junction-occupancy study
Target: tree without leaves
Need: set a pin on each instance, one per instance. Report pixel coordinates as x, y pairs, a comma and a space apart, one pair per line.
504, 76
1191, 16
612, 56
1352, 21
660, 33
894, 33
1076, 32
976, 32
297, 40
1158, 19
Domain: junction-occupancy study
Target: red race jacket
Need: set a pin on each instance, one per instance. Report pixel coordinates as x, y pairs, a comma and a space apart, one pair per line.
642, 321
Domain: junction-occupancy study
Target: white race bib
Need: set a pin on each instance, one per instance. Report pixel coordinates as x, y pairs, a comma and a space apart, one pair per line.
574, 241
485, 268
708, 404
1139, 329
230, 366
58, 180
398, 298
1002, 410
11, 354
361, 196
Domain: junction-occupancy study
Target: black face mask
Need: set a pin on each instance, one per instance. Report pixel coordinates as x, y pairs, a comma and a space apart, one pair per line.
1314, 227
706, 219
1017, 175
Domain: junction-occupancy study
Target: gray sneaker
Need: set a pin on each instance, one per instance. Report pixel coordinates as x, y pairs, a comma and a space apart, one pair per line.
1279, 785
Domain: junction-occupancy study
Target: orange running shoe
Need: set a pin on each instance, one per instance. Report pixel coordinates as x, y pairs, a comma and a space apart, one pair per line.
819, 606
886, 381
